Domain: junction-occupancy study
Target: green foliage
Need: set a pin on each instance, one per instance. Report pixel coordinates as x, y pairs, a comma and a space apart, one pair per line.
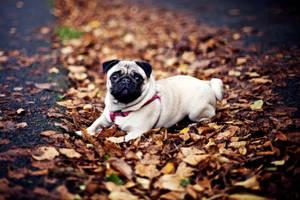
66, 33
106, 157
184, 182
115, 179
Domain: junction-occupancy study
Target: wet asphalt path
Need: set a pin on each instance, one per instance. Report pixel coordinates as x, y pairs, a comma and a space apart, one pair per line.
20, 25
276, 20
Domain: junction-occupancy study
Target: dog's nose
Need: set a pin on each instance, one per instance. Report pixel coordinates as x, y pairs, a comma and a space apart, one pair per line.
126, 80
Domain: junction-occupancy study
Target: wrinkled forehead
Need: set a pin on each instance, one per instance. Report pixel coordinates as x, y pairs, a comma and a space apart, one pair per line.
128, 67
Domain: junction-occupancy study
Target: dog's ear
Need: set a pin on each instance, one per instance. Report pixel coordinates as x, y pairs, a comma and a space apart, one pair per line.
109, 64
146, 67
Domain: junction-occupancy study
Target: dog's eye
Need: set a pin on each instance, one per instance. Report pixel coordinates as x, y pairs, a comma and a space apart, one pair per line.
137, 77
114, 77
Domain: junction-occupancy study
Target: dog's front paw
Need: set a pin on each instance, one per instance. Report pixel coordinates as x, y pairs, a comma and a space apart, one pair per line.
89, 131
132, 136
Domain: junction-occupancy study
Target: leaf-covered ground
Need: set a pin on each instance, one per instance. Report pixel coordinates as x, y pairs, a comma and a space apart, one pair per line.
249, 150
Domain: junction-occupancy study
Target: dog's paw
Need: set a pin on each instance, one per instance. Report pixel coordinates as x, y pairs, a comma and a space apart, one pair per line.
91, 132
132, 136
116, 139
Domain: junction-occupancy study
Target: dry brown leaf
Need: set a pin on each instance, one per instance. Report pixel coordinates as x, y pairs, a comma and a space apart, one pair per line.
70, 153
122, 167
241, 60
150, 159
119, 192
173, 195
260, 80
21, 125
195, 159
149, 171
68, 103
229, 132
250, 183
144, 182
45, 153
61, 192
169, 182
246, 197
184, 171
45, 86
121, 195
48, 133
237, 144
186, 151
20, 111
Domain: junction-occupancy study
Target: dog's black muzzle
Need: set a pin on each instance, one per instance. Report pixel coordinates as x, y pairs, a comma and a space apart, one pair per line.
126, 90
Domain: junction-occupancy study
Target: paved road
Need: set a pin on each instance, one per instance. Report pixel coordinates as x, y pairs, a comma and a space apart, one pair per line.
277, 19
20, 25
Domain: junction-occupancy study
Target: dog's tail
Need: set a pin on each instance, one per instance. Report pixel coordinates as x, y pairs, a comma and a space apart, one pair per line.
217, 86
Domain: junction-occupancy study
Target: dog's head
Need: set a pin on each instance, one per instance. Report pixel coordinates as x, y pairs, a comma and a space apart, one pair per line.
126, 79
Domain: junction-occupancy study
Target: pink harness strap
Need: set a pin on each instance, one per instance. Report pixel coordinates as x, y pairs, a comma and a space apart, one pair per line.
114, 114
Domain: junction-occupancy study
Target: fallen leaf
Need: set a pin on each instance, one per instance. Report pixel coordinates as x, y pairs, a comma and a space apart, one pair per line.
48, 133
250, 183
70, 153
169, 182
237, 144
228, 133
241, 60
168, 168
184, 171
61, 192
195, 159
21, 125
20, 111
45, 153
173, 195
257, 105
246, 197
53, 70
144, 182
119, 192
278, 162
149, 171
234, 73
122, 167
260, 80
45, 86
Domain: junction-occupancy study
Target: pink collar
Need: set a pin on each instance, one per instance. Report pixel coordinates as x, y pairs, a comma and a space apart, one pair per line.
114, 114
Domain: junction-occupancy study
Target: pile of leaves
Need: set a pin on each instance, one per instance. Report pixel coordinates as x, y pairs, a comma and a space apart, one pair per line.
249, 150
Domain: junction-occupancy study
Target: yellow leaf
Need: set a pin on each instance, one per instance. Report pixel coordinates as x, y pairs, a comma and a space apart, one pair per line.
237, 144
278, 162
185, 130
168, 168
257, 105
94, 24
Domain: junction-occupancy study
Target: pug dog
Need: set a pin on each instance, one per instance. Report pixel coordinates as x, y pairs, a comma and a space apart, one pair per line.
136, 103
